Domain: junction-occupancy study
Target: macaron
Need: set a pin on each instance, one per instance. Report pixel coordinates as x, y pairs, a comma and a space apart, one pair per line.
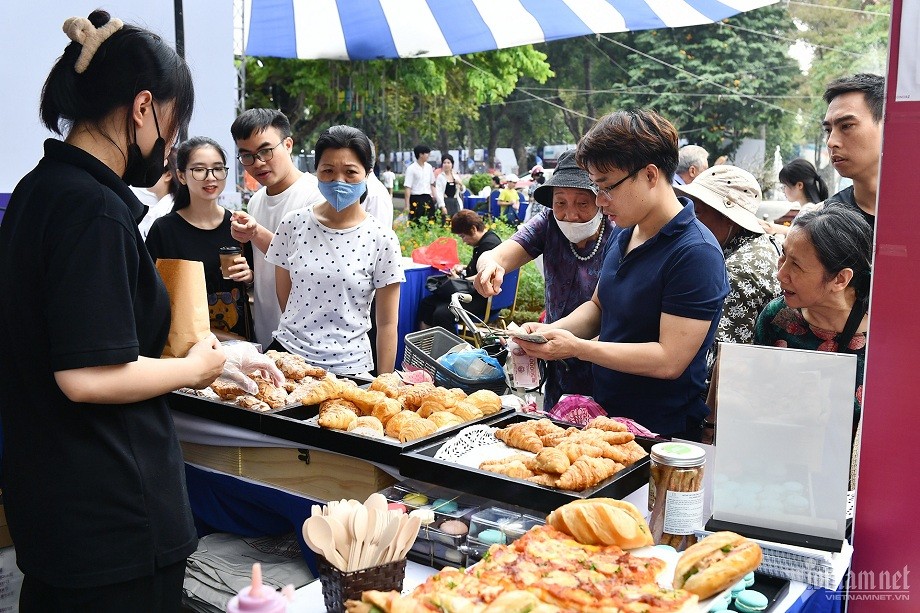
396, 506
749, 579
454, 527
492, 536
442, 505
751, 601
425, 516
414, 499
738, 588
666, 548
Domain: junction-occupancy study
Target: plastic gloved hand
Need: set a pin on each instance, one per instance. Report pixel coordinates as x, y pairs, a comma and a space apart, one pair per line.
243, 359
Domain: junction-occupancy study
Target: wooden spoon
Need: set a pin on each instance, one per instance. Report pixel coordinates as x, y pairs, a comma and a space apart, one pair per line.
340, 536
376, 501
359, 530
320, 533
407, 535
390, 530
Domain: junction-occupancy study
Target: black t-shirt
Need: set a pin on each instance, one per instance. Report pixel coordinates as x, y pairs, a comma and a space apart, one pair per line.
450, 189
171, 237
94, 494
847, 199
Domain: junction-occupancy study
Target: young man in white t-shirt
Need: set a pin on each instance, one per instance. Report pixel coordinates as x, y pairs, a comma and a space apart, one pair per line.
388, 177
419, 186
263, 138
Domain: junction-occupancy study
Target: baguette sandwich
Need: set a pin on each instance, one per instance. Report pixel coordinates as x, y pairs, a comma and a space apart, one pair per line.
602, 521
716, 563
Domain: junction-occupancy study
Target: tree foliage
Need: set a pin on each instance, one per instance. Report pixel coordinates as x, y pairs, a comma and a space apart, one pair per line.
397, 102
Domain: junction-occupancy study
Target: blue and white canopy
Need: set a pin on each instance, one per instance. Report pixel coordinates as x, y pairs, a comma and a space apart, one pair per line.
377, 29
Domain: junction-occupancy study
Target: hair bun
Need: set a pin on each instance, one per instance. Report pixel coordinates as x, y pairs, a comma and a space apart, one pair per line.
84, 32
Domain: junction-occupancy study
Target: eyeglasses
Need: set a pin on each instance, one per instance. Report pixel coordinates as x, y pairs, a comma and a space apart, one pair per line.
263, 155
201, 174
606, 191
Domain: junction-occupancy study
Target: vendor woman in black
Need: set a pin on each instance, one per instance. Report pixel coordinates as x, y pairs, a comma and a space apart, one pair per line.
196, 230
93, 480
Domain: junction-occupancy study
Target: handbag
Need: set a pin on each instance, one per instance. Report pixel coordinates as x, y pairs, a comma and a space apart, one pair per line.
445, 286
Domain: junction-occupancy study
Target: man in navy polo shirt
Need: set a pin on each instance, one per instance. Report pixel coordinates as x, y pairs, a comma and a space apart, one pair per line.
659, 298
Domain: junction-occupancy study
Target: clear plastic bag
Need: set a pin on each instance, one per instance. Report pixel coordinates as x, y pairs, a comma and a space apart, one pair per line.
244, 359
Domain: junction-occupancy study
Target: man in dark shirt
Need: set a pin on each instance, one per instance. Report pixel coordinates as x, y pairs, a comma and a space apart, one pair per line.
853, 128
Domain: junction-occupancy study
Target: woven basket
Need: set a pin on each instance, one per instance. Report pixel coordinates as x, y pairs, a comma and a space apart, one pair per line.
339, 586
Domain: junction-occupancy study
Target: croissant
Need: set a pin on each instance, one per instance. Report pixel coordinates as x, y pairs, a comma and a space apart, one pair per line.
364, 399
612, 438
587, 472
513, 468
486, 401
430, 406
367, 421
520, 436
385, 409
465, 411
413, 395
443, 419
545, 426
552, 460
275, 397
388, 383
227, 391
294, 366
557, 436
251, 402
575, 450
315, 393
606, 423
544, 479
627, 453
416, 429
395, 424
338, 402
457, 393
337, 417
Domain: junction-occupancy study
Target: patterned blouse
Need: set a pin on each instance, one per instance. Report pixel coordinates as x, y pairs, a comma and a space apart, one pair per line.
750, 260
783, 326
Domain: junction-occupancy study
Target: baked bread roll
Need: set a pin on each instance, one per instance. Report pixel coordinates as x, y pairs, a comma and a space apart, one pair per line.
444, 419
602, 521
275, 397
486, 401
336, 417
395, 424
716, 563
367, 421
386, 409
416, 429
323, 389
552, 460
388, 383
587, 472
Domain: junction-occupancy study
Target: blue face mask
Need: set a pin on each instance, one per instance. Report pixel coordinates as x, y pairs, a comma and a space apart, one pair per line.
340, 194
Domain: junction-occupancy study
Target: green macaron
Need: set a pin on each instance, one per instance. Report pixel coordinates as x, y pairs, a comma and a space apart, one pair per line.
738, 588
749, 579
751, 601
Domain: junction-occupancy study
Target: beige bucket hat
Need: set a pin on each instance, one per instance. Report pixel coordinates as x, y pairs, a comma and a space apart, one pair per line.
730, 190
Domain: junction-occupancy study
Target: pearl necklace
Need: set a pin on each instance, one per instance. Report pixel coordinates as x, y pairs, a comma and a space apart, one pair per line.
597, 245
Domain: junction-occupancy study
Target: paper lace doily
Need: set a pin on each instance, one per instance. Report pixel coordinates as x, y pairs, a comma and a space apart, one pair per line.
467, 440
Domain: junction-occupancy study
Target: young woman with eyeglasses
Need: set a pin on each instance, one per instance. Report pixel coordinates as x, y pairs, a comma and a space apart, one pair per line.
196, 230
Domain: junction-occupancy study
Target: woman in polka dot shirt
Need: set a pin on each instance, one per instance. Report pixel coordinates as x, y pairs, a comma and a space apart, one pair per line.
330, 262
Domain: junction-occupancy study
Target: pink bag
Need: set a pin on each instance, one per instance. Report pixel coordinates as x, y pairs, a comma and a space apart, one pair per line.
441, 253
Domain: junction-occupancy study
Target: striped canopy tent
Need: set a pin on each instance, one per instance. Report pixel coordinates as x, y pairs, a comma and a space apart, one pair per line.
387, 29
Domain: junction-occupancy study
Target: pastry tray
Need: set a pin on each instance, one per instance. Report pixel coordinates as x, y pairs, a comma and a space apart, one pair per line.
300, 425
419, 463
297, 423
225, 412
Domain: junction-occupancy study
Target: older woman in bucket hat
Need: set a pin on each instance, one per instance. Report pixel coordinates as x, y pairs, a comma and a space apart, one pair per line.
726, 198
571, 233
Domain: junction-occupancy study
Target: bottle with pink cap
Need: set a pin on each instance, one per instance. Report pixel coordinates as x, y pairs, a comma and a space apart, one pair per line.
259, 598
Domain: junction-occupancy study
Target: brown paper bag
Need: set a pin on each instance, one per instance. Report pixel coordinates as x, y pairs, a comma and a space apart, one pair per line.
188, 300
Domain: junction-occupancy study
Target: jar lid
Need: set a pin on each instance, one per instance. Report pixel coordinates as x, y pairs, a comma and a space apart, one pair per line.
678, 454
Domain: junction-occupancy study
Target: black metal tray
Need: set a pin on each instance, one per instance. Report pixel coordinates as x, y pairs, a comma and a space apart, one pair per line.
292, 424
774, 588
221, 411
419, 463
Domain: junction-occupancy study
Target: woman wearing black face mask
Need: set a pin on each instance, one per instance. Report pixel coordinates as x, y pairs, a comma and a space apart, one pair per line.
94, 484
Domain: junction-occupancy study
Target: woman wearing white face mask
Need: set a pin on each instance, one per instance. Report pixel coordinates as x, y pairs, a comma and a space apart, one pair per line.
330, 262
571, 234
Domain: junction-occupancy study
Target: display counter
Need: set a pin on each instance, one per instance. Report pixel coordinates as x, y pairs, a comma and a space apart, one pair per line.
249, 505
